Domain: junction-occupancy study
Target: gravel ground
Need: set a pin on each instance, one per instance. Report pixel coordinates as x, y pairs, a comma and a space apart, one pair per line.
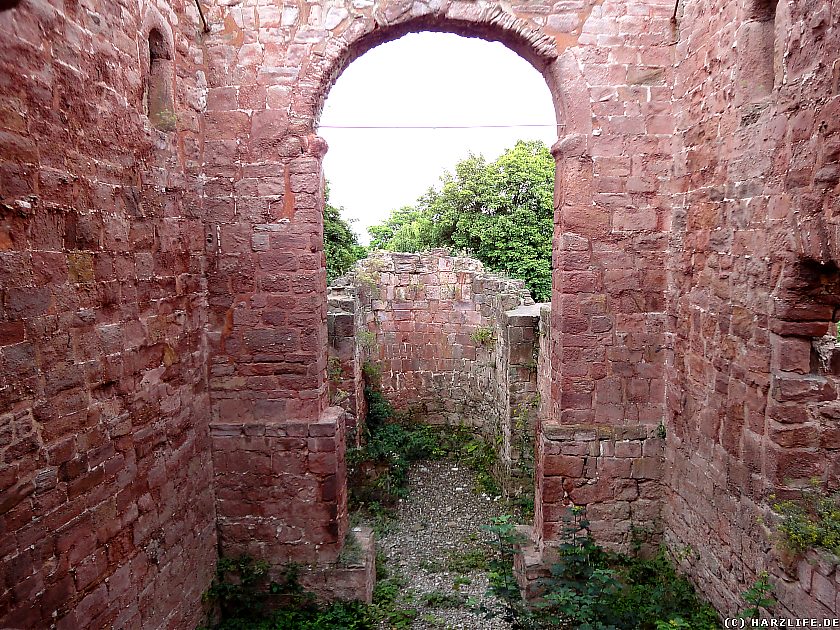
440, 522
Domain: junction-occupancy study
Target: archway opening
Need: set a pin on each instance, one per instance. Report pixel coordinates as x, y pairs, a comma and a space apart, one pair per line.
440, 141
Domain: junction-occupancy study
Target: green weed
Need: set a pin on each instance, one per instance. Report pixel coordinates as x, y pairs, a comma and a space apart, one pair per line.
811, 521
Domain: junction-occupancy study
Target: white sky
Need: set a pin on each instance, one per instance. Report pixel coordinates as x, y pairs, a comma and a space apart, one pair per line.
424, 79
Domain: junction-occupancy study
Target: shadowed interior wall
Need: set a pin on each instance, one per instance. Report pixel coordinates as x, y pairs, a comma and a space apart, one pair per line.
754, 242
106, 506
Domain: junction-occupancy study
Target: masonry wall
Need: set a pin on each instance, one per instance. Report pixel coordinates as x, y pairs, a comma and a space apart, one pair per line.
106, 508
136, 258
447, 342
751, 410
346, 361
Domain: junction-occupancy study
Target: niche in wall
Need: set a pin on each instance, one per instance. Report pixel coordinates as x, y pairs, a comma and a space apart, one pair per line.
756, 43
158, 100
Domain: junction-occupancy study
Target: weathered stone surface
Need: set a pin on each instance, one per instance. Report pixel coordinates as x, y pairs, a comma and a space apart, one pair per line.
159, 275
449, 347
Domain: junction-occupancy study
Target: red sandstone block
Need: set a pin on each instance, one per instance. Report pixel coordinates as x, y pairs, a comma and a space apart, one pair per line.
553, 490
791, 354
322, 429
11, 332
600, 490
824, 589
76, 542
647, 468
563, 465
798, 436
323, 444
614, 467
790, 388
789, 413
628, 449
578, 281
793, 465
322, 463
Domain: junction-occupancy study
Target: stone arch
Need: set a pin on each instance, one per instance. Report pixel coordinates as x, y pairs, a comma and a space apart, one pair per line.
489, 22
559, 67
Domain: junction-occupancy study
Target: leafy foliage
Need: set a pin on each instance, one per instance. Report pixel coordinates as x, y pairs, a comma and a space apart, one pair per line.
501, 212
378, 470
758, 596
392, 601
594, 589
241, 588
336, 616
341, 245
406, 230
812, 521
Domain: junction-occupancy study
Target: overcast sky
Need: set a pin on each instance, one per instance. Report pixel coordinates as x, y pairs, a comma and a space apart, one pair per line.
424, 79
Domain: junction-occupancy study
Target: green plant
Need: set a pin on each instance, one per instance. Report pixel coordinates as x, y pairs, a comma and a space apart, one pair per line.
372, 373
165, 119
501, 212
433, 621
439, 599
392, 603
660, 431
465, 561
811, 521
502, 583
334, 370
591, 588
758, 596
239, 586
351, 553
366, 339
432, 566
459, 581
463, 445
341, 245
335, 616
483, 335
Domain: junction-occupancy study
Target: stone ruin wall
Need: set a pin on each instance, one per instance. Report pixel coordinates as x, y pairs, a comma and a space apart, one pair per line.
615, 472
155, 281
106, 500
452, 344
753, 283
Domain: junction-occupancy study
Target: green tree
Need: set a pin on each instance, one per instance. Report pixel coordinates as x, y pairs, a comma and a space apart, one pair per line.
341, 245
406, 230
501, 212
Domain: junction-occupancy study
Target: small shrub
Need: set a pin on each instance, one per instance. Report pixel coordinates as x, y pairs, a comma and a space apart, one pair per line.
810, 522
439, 599
366, 339
334, 370
351, 553
460, 581
432, 566
392, 603
239, 587
590, 587
483, 335
466, 561
758, 596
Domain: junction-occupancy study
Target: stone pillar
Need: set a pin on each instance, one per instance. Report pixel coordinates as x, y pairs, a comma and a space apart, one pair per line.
278, 449
520, 349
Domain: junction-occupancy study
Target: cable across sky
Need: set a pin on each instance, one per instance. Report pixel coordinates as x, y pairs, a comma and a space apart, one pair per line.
434, 126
